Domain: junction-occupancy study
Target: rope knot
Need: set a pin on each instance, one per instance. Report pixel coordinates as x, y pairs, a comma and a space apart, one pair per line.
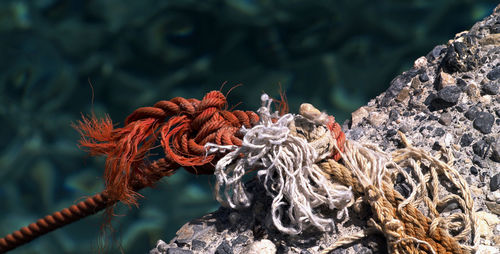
182, 127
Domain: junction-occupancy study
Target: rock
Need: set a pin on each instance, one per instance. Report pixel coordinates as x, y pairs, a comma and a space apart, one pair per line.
479, 148
261, 247
450, 94
178, 251
423, 77
483, 122
421, 62
377, 119
445, 119
494, 74
495, 182
495, 155
198, 245
490, 88
473, 170
358, 116
439, 132
224, 248
466, 140
472, 112
445, 80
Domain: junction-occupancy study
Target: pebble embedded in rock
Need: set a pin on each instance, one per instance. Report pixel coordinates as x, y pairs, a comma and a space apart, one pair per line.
479, 147
393, 115
472, 112
178, 251
446, 80
483, 122
466, 140
224, 248
494, 74
473, 170
439, 132
495, 156
477, 160
445, 119
495, 182
197, 244
490, 88
423, 77
450, 94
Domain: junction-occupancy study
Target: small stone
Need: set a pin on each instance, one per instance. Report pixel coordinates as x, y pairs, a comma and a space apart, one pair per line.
484, 122
404, 128
473, 170
495, 156
494, 74
241, 239
391, 132
198, 245
460, 108
423, 77
224, 248
473, 91
495, 182
461, 83
436, 146
263, 246
490, 88
445, 80
472, 112
393, 115
479, 148
466, 140
421, 62
477, 160
450, 94
358, 116
178, 251
497, 111
377, 118
445, 119
360, 249
493, 207
439, 132
403, 95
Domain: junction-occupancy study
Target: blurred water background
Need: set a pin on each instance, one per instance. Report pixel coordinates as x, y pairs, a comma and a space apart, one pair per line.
335, 54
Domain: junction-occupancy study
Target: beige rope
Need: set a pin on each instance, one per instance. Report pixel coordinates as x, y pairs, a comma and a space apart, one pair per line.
413, 224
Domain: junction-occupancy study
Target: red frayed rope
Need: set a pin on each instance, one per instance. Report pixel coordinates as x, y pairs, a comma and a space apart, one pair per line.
180, 126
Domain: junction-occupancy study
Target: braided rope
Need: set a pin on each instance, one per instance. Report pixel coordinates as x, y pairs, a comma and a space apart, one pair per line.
54, 221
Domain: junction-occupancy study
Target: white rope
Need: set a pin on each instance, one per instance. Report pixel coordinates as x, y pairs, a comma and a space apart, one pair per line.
287, 170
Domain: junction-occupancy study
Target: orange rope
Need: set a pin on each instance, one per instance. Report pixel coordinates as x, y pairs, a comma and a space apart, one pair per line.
182, 127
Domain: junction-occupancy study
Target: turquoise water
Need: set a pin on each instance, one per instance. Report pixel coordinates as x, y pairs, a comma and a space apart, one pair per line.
62, 58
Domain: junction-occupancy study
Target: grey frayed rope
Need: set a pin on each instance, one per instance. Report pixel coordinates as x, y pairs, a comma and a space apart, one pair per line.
287, 169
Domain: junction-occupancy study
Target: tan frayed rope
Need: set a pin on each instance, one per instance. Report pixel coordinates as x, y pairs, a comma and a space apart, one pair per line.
414, 224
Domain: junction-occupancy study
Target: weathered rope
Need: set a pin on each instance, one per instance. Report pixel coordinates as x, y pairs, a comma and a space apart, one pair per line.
371, 173
182, 126
285, 149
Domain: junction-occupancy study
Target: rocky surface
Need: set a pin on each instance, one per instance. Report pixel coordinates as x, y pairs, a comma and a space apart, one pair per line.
450, 98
